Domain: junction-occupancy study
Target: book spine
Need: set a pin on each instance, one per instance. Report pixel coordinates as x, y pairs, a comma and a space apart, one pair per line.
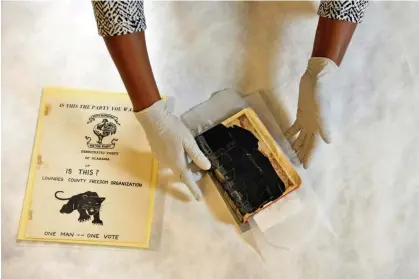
226, 197
215, 167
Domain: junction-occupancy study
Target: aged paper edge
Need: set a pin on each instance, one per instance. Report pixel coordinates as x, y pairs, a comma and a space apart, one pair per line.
67, 93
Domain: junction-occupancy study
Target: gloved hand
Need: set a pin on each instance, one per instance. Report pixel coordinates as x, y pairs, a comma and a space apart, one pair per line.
169, 140
313, 108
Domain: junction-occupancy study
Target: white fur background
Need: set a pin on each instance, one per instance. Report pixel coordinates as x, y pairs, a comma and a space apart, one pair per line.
366, 183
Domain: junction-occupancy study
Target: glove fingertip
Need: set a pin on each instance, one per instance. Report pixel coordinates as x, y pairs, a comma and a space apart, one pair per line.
198, 197
305, 160
306, 164
325, 134
203, 163
294, 129
327, 139
187, 178
196, 155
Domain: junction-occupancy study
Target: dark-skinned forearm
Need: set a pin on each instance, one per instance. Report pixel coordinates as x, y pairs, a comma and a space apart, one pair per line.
129, 53
332, 38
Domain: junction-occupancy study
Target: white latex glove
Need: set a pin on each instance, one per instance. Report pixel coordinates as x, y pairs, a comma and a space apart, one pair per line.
169, 139
313, 108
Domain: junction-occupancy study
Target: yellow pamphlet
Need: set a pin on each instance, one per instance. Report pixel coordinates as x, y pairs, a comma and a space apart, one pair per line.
92, 176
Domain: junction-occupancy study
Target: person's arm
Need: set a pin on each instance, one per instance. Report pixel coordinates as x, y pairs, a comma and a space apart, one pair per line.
332, 38
129, 53
122, 24
336, 25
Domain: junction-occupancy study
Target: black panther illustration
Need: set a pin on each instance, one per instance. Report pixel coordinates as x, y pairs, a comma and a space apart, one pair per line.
87, 204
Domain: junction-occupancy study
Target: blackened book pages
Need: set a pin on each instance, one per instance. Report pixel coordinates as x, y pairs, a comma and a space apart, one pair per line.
250, 170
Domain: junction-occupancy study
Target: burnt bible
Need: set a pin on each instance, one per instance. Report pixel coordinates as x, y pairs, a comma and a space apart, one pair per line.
248, 167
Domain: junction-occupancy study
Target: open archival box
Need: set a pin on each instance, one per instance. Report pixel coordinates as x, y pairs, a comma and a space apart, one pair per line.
249, 169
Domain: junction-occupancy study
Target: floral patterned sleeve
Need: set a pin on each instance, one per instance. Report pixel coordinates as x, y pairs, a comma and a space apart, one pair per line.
352, 11
116, 18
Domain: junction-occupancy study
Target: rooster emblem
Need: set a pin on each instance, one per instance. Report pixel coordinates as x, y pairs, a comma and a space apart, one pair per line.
102, 130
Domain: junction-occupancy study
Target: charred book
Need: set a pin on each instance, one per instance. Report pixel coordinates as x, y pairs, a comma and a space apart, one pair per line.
245, 164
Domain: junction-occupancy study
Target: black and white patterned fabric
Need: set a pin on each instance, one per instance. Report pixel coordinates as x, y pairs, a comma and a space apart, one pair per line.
352, 11
114, 17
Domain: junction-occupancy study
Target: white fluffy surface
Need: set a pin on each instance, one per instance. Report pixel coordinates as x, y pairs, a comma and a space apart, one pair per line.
366, 182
